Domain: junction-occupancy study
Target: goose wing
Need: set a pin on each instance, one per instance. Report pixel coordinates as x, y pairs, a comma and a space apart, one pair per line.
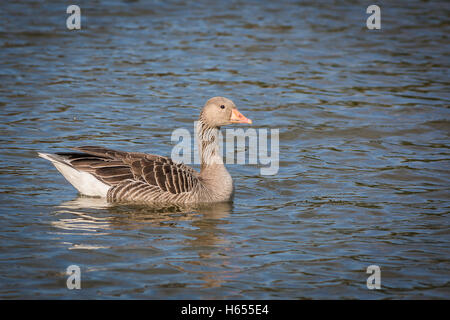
133, 175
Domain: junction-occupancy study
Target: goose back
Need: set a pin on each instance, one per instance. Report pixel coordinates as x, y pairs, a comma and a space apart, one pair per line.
137, 176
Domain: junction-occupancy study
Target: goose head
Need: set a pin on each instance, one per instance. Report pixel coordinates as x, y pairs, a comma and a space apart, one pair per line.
220, 111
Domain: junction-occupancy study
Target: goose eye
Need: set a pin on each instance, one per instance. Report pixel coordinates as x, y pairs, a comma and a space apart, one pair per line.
222, 107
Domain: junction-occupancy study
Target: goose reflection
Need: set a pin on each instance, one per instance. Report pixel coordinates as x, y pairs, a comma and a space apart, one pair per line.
88, 210
100, 223
81, 216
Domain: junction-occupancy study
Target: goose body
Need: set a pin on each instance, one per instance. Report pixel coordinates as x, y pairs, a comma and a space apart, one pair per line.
122, 176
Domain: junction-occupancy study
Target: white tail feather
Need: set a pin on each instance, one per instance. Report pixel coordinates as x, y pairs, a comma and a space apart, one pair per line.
84, 182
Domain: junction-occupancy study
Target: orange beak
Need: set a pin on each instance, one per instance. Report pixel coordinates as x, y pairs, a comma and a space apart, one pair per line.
237, 117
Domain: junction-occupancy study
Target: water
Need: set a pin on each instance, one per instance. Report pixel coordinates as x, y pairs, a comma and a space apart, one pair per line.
364, 148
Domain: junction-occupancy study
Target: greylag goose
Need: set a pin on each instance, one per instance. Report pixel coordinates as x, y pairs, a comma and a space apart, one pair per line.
138, 177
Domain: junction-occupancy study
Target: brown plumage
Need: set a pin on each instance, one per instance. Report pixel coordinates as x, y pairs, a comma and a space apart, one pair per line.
139, 177
133, 175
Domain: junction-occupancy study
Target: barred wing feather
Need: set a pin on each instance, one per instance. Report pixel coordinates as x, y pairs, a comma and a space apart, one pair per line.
135, 176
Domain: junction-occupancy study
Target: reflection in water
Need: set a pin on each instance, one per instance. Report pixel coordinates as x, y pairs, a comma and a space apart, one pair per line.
72, 217
84, 209
82, 202
94, 219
